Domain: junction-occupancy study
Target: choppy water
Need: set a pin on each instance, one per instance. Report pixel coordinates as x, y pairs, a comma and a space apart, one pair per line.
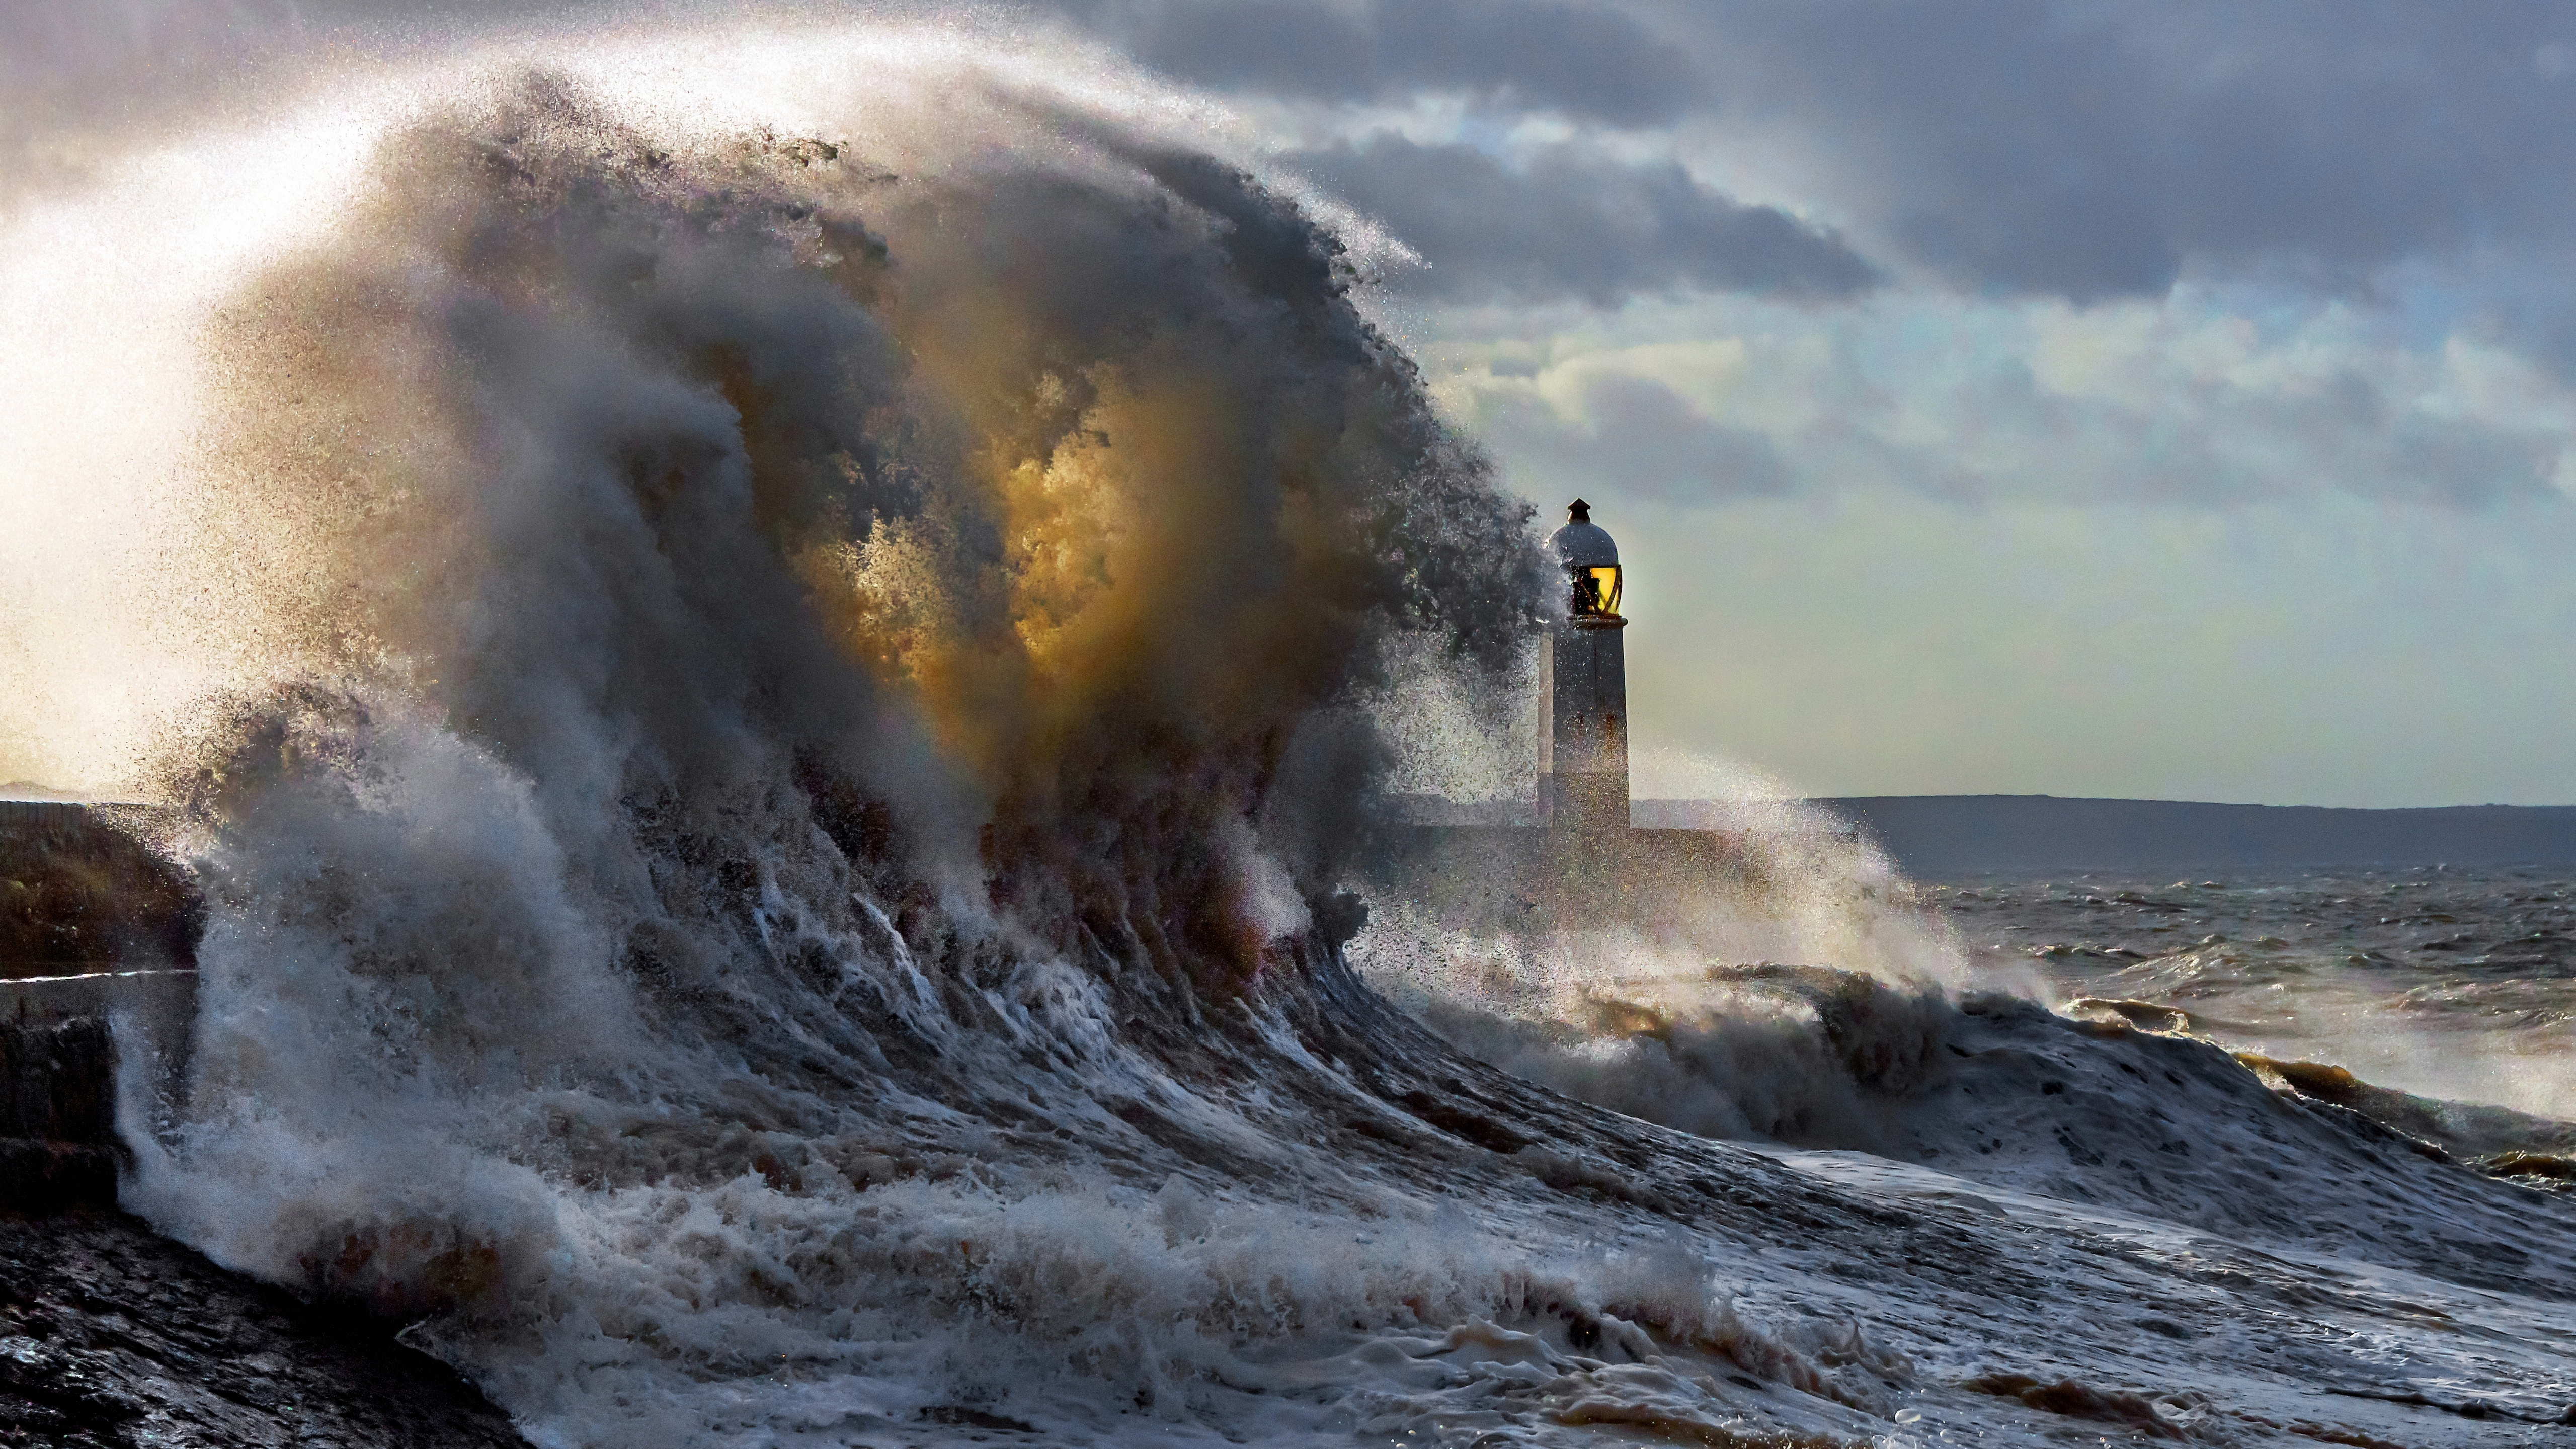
777, 651
2445, 981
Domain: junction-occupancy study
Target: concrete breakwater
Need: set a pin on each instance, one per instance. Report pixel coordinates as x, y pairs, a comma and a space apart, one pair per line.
58, 1144
97, 954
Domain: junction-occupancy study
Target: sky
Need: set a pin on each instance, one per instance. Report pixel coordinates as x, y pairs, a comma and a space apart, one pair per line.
2166, 400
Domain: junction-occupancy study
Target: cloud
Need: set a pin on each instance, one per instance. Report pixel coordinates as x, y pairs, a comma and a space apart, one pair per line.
1639, 437
2093, 151
2056, 147
1573, 223
2059, 147
1589, 61
2169, 404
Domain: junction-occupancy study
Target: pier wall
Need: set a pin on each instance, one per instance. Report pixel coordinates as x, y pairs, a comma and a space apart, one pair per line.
1481, 875
98, 940
58, 1145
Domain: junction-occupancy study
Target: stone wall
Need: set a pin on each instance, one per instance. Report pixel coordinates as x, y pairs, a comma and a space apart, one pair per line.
58, 1144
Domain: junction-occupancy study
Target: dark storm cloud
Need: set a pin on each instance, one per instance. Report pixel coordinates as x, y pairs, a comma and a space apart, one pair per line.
2094, 150
2065, 147
1586, 60
1573, 223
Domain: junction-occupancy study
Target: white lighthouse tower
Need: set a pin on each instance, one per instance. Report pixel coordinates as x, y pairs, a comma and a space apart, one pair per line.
1583, 687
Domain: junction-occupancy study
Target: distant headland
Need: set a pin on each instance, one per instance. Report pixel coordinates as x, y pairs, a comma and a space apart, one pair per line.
1946, 835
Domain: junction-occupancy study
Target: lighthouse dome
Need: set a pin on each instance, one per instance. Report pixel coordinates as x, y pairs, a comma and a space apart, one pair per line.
1582, 543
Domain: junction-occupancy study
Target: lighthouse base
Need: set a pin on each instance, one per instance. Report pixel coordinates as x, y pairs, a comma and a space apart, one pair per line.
1590, 800
1483, 877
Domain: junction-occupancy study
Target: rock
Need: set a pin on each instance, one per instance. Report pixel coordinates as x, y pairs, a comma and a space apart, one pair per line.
111, 1336
80, 889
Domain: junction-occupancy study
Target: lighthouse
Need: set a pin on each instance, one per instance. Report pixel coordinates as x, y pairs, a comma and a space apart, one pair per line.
1583, 687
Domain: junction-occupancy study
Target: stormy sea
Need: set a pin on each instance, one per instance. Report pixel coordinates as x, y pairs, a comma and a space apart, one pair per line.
784, 660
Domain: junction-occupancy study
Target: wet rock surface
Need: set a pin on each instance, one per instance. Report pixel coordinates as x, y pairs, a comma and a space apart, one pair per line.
113, 1336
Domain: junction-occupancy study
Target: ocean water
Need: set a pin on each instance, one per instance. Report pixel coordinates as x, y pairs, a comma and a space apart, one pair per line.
786, 656
2450, 982
2311, 1082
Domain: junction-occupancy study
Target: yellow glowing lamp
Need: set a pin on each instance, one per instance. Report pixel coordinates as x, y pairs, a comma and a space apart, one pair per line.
1596, 591
1591, 563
